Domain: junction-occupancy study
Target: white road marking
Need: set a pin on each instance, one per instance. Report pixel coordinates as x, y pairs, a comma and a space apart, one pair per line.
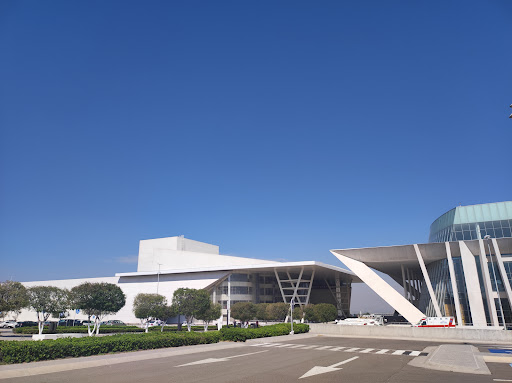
383, 351
415, 353
502, 380
309, 347
284, 345
322, 370
367, 350
337, 348
324, 348
352, 349
297, 345
214, 360
398, 352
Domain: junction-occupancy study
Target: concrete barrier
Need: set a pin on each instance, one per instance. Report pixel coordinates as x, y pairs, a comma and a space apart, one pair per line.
418, 333
58, 336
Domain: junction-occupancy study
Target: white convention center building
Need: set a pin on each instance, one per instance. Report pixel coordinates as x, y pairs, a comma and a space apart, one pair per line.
166, 264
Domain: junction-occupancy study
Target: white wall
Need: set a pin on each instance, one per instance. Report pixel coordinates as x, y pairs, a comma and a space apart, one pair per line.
132, 286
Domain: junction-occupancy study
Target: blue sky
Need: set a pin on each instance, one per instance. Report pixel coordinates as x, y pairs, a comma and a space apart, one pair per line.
276, 130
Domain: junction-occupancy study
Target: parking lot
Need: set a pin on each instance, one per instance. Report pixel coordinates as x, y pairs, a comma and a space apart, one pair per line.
307, 358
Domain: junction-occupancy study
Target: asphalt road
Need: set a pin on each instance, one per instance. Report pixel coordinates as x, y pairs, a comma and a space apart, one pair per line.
357, 360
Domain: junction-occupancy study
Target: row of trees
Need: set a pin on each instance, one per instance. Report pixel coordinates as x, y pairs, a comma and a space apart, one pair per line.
93, 299
246, 311
190, 303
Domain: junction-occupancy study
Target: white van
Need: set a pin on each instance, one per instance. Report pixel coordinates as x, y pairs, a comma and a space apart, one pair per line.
436, 322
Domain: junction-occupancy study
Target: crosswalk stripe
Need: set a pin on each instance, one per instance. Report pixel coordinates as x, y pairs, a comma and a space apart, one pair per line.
324, 348
345, 349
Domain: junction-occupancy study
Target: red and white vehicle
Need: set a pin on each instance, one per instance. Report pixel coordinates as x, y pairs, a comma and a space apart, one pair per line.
436, 322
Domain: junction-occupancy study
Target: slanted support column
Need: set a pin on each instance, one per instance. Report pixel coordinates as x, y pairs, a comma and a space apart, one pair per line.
381, 288
476, 304
503, 272
454, 283
487, 284
310, 286
427, 280
280, 286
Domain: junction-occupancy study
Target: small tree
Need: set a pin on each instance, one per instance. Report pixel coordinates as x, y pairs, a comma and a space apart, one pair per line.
13, 298
325, 312
322, 312
163, 313
277, 311
98, 300
243, 311
214, 311
145, 306
261, 311
47, 300
190, 302
309, 313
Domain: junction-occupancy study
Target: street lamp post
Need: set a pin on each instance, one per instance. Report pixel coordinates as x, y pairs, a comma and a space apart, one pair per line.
488, 237
292, 303
158, 278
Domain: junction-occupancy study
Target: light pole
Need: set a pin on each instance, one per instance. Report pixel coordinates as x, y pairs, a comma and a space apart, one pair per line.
292, 303
488, 237
158, 277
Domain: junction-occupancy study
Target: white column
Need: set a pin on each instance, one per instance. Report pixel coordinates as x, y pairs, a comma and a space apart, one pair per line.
476, 304
296, 286
310, 286
454, 284
280, 287
487, 284
427, 280
228, 305
503, 272
382, 289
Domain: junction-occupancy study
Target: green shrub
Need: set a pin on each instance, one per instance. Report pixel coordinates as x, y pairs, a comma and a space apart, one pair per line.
31, 351
236, 334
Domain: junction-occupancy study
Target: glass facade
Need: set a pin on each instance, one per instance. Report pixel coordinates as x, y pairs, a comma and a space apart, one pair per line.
473, 222
465, 223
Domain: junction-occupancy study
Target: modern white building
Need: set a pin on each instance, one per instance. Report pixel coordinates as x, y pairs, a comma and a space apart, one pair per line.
465, 271
166, 264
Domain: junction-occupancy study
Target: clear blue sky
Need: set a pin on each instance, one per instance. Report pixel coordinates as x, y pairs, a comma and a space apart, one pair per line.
275, 129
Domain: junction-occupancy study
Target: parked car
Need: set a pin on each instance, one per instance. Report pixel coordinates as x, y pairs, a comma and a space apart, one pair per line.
70, 322
27, 323
8, 324
153, 323
87, 322
113, 323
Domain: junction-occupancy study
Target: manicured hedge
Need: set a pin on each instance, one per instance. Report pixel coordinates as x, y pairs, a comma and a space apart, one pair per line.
236, 334
31, 351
